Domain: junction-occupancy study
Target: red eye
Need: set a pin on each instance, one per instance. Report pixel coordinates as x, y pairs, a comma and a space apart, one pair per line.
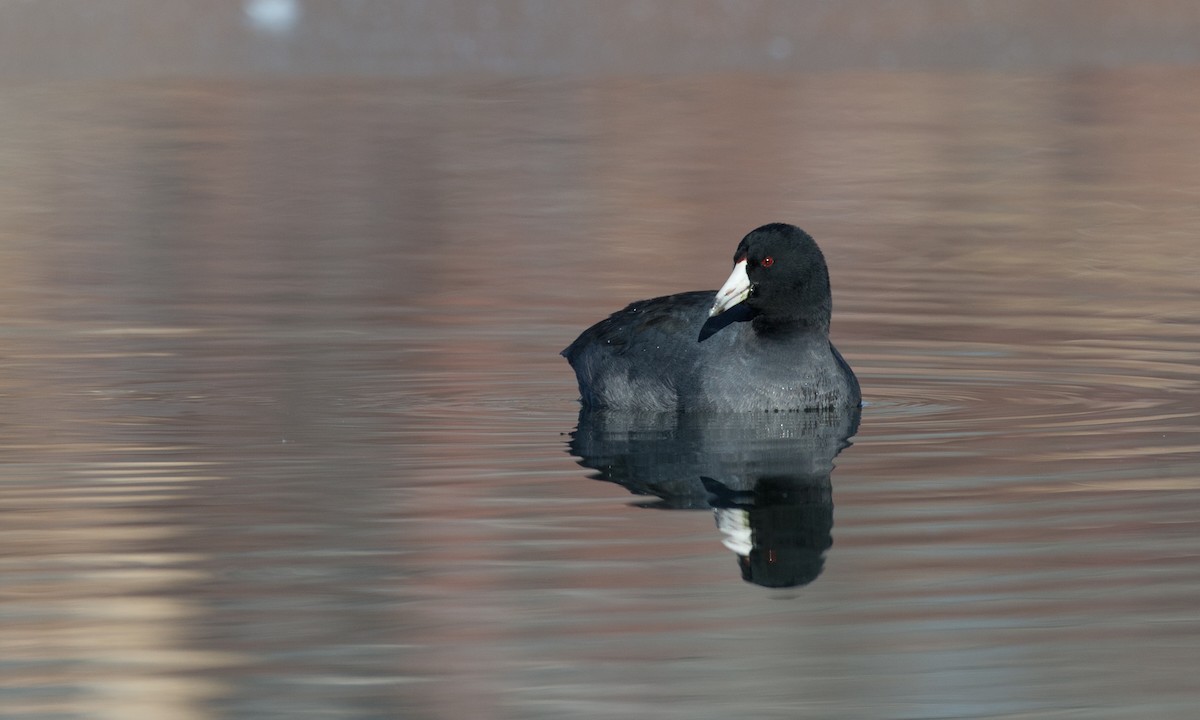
768, 261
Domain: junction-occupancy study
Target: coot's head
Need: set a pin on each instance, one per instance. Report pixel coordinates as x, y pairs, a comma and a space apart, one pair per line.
780, 273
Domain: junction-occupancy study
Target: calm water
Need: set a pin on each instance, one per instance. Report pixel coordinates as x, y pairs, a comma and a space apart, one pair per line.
285, 433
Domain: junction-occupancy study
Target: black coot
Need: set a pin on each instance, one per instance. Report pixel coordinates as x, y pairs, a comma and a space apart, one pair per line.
761, 342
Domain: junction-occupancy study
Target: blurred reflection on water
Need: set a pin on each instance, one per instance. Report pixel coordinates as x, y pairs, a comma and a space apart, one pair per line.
284, 421
765, 477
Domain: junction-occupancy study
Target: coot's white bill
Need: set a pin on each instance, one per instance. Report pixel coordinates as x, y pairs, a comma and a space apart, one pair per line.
735, 290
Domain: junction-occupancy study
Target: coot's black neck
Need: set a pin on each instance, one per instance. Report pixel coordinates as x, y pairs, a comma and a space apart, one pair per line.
814, 319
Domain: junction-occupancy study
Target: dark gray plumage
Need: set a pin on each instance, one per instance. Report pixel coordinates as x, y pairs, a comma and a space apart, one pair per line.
765, 347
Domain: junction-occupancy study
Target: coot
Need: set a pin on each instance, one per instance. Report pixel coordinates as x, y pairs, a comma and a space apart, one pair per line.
760, 343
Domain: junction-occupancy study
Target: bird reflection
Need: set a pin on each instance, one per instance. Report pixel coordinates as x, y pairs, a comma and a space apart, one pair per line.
765, 477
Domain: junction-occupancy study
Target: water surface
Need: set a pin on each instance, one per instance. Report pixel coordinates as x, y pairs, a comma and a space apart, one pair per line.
285, 432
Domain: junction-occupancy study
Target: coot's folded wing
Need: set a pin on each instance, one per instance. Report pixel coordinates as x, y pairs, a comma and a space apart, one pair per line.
632, 358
